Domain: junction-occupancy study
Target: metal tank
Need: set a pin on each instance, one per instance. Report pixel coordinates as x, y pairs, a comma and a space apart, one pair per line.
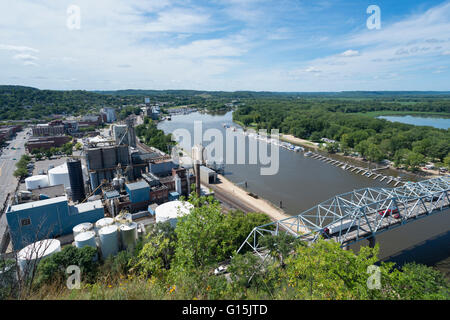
103, 222
171, 211
35, 182
29, 257
85, 239
109, 241
82, 227
59, 175
128, 235
76, 180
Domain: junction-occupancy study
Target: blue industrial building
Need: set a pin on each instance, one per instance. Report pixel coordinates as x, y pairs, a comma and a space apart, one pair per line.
50, 218
138, 191
174, 196
162, 167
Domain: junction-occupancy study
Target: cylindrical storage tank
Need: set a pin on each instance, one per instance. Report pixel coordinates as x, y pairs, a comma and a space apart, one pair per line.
35, 182
171, 211
85, 239
128, 235
178, 184
186, 162
59, 175
116, 183
76, 179
109, 241
82, 227
29, 256
103, 222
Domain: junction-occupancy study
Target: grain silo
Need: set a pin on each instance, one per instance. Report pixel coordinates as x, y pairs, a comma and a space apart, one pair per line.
82, 227
172, 210
103, 222
85, 239
76, 180
109, 241
29, 257
59, 175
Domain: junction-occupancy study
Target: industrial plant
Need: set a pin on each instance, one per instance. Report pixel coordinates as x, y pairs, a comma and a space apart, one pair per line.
103, 197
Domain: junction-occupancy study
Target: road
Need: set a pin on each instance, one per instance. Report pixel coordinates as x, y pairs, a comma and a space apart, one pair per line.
8, 182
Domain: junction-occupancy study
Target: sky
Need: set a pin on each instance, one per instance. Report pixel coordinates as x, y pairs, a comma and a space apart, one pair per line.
227, 45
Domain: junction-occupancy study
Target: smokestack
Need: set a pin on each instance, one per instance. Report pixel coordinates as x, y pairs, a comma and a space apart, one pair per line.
197, 178
197, 155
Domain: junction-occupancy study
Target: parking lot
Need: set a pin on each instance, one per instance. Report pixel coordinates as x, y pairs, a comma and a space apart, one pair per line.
43, 165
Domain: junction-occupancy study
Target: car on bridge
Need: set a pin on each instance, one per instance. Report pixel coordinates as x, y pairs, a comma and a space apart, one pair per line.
432, 198
388, 212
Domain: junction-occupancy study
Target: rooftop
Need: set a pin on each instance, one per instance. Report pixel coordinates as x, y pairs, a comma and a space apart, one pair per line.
36, 204
88, 206
137, 185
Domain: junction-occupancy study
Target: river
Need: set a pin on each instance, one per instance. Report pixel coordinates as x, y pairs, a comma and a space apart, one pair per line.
303, 182
436, 122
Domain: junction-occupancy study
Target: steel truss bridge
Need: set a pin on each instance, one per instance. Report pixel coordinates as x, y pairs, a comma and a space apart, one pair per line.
361, 214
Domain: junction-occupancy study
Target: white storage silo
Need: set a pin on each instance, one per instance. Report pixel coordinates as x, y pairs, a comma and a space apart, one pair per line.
103, 222
59, 175
82, 227
35, 182
84, 239
171, 211
128, 235
29, 256
186, 162
109, 241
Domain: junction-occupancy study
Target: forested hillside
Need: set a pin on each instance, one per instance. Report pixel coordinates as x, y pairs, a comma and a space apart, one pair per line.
345, 122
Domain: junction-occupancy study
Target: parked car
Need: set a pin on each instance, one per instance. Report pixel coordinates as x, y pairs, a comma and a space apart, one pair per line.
220, 270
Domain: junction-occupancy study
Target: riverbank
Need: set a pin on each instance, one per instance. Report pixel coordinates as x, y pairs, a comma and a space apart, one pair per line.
297, 141
259, 204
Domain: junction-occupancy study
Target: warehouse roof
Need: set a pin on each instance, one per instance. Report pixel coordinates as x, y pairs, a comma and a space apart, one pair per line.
88, 206
34, 204
137, 185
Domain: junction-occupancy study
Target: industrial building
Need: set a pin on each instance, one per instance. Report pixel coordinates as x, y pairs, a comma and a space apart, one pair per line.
46, 142
33, 221
48, 129
110, 178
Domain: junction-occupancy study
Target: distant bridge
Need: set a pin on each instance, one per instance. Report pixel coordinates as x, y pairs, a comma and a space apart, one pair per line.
361, 214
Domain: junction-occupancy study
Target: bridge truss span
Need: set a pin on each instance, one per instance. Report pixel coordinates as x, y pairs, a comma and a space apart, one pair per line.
361, 214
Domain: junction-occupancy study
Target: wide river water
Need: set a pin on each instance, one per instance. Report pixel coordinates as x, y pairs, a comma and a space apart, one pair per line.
302, 182
436, 122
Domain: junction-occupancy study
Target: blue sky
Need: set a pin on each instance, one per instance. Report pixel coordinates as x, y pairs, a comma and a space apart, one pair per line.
284, 45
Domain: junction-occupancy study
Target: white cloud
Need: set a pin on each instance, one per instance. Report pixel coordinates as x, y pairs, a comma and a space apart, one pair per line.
177, 20
350, 53
17, 48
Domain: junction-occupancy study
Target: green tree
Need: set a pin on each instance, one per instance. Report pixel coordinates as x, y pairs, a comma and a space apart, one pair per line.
54, 267
158, 250
203, 237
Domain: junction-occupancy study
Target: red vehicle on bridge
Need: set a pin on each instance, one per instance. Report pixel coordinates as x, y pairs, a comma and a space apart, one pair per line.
388, 212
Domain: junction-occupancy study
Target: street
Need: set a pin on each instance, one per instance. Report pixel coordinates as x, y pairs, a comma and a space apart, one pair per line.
8, 182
